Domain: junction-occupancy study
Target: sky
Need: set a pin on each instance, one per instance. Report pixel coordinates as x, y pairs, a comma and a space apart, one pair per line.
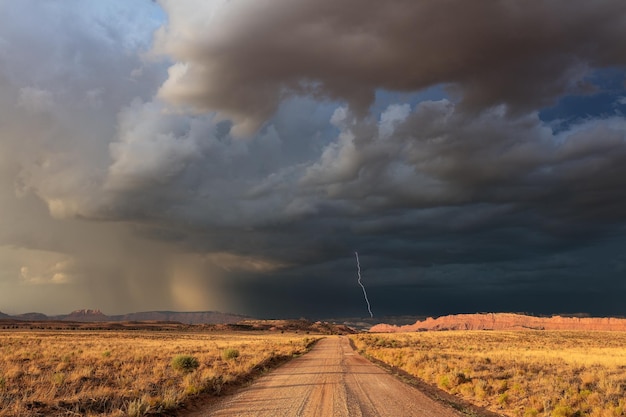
233, 155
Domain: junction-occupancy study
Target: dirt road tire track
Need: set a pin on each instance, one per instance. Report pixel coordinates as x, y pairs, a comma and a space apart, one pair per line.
330, 380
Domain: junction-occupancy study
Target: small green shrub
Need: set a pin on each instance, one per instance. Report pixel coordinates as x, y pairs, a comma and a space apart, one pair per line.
185, 363
58, 378
562, 411
230, 354
444, 382
531, 412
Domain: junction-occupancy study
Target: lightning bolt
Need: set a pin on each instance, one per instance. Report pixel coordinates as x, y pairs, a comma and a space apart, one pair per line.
358, 271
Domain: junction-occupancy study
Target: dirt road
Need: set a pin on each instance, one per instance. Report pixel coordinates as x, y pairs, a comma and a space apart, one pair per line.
330, 381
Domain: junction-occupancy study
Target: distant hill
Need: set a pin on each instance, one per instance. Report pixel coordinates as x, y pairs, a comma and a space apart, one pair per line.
92, 316
31, 317
301, 325
196, 317
364, 324
507, 321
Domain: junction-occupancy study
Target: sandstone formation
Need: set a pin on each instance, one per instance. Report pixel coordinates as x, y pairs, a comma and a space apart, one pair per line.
86, 316
507, 321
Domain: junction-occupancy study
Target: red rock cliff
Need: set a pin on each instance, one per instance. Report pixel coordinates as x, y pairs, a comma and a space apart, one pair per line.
507, 321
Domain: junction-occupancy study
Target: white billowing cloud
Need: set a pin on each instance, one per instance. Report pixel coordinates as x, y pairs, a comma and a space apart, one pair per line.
47, 268
168, 163
63, 180
391, 117
339, 162
153, 147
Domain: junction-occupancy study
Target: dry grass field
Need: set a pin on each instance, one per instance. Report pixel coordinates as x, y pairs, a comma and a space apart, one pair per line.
114, 373
522, 373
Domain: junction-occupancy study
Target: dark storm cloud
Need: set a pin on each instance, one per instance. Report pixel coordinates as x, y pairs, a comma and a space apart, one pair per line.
242, 58
444, 194
440, 156
435, 197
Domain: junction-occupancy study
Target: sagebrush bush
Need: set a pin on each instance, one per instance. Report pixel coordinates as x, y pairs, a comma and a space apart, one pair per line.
230, 354
185, 363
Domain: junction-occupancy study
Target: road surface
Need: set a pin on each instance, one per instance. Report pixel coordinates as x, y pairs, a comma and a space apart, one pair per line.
330, 381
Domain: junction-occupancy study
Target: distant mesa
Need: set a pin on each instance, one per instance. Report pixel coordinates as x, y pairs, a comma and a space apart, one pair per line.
506, 321
92, 316
86, 316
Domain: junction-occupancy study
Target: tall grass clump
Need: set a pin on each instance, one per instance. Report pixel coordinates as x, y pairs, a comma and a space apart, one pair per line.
185, 363
229, 354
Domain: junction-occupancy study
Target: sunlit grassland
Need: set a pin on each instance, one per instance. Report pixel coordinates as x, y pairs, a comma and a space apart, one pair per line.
108, 373
522, 373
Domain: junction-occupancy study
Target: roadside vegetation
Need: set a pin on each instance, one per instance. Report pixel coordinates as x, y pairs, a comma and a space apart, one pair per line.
521, 374
109, 373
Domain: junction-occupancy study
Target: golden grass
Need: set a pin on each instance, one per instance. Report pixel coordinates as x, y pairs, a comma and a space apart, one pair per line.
522, 374
107, 373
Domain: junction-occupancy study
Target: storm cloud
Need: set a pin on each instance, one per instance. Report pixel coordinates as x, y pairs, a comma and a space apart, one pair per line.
241, 58
232, 155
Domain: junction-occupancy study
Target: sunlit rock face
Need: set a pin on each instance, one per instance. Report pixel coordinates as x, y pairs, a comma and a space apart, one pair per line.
507, 321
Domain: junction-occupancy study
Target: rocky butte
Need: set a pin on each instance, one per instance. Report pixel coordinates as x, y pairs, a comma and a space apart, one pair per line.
85, 315
506, 321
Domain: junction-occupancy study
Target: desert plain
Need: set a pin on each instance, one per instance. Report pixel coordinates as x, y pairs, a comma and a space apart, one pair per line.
178, 370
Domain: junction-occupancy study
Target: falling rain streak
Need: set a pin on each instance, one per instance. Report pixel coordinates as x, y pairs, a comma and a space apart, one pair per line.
358, 268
